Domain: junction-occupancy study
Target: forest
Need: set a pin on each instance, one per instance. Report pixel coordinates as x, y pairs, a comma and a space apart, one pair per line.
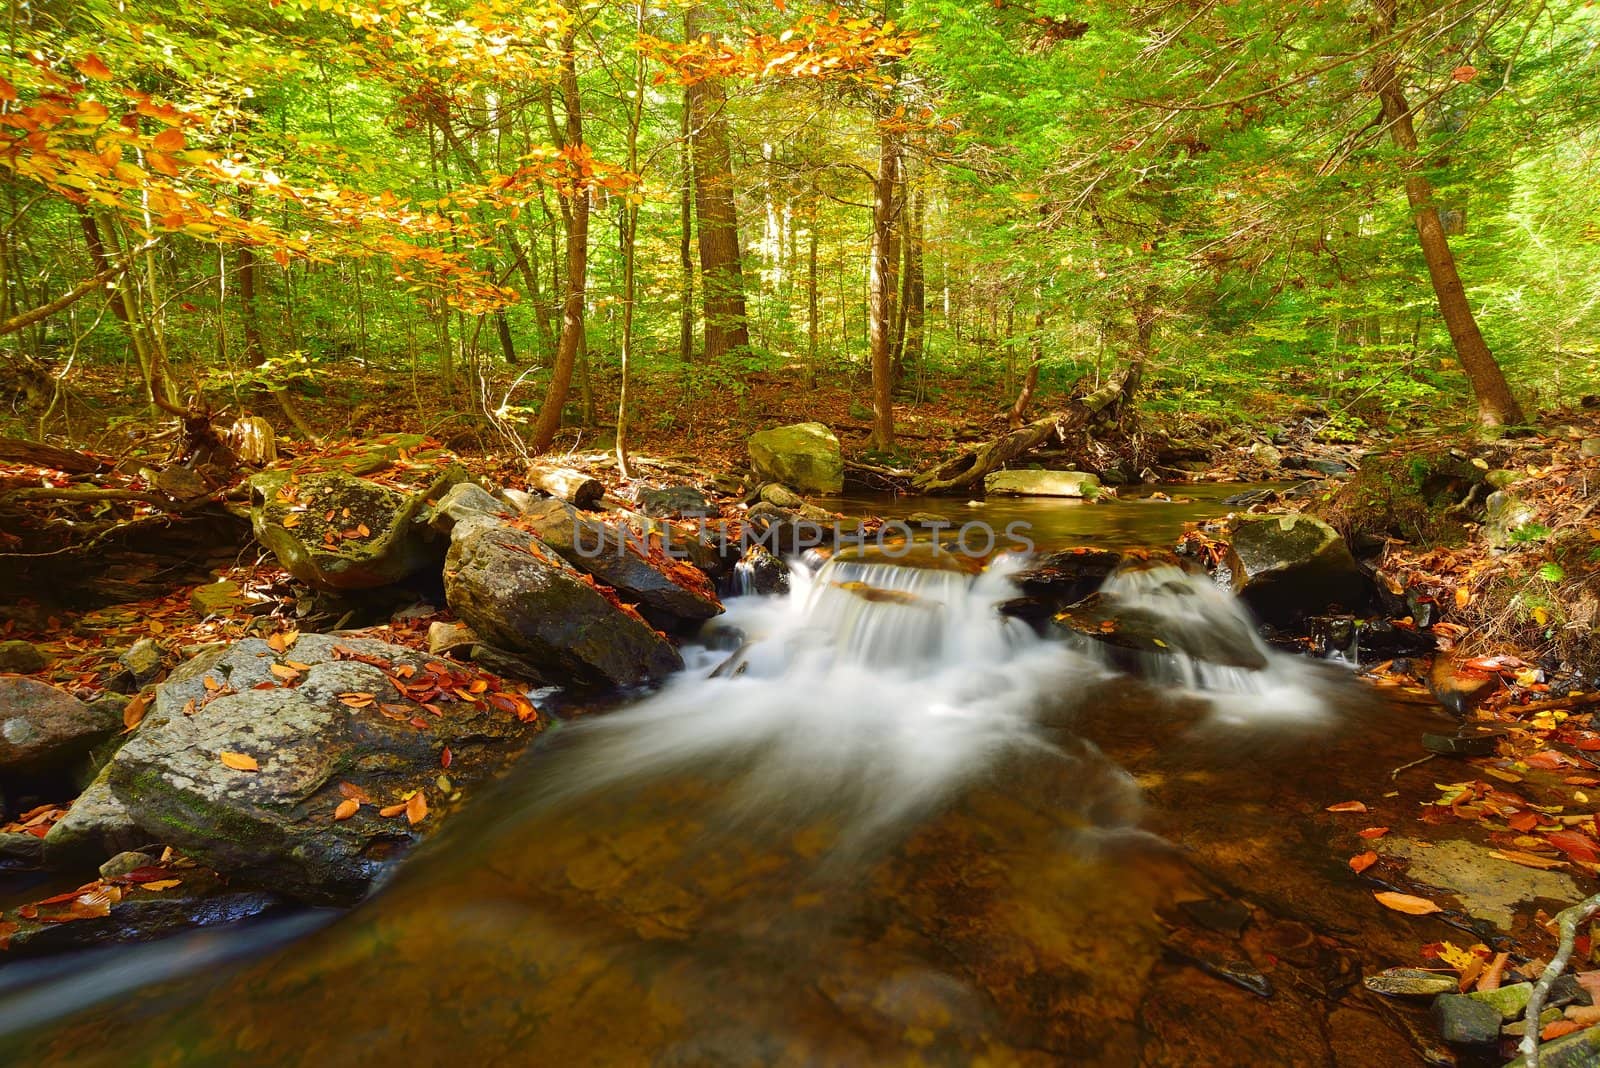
572, 423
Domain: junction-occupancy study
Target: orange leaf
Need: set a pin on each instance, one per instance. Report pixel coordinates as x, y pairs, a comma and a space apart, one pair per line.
133, 715
1348, 806
392, 810
211, 684
1523, 822
1557, 1028
347, 808
238, 761
1410, 905
284, 672
1374, 832
7, 90
90, 66
161, 884
416, 808
1527, 860
445, 758
170, 140
1362, 861
351, 790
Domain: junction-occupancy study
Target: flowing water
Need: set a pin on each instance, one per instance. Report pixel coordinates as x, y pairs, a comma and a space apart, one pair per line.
891, 827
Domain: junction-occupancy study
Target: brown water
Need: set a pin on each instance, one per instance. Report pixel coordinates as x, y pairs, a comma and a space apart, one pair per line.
974, 848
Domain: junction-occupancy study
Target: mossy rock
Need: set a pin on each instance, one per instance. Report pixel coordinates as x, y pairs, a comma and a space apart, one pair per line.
804, 456
335, 531
1426, 496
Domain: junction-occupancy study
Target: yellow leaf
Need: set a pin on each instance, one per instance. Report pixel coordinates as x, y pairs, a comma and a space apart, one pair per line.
162, 884
238, 761
1463, 596
1541, 615
1412, 906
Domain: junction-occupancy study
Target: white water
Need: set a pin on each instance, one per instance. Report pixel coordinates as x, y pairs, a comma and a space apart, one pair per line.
871, 692
1202, 624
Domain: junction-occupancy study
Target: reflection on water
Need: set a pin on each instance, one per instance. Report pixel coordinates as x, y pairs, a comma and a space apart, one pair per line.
1138, 518
896, 829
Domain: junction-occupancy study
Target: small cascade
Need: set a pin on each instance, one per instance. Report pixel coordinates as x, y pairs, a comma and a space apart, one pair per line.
1176, 628
870, 691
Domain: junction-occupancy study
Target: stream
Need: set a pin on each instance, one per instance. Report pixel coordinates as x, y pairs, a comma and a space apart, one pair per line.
891, 827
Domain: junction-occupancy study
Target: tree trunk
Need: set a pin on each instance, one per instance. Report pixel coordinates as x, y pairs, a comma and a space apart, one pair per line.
1030, 381
575, 218
1496, 404
686, 244
880, 291
630, 234
721, 267
913, 286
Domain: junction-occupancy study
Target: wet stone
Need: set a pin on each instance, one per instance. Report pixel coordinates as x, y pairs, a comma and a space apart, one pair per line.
125, 862
1463, 1021
1409, 982
1472, 743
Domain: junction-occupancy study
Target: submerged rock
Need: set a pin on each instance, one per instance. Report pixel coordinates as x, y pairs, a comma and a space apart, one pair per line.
1290, 566
521, 598
43, 728
1024, 483
804, 456
323, 723
1488, 887
674, 502
1464, 1021
336, 531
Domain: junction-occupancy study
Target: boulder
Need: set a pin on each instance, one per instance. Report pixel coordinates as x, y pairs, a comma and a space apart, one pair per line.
43, 728
1265, 455
96, 827
649, 572
335, 531
804, 456
331, 719
520, 596
674, 502
1290, 566
464, 499
1041, 484
21, 658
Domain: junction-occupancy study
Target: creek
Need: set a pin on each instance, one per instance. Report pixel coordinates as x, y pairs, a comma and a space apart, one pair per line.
873, 821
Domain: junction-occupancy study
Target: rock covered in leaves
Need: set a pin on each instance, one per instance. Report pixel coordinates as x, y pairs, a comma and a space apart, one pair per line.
644, 570
1289, 566
335, 531
43, 728
520, 597
804, 456
303, 770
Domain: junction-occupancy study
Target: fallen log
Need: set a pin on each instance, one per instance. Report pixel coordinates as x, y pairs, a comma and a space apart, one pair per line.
563, 483
20, 450
964, 472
